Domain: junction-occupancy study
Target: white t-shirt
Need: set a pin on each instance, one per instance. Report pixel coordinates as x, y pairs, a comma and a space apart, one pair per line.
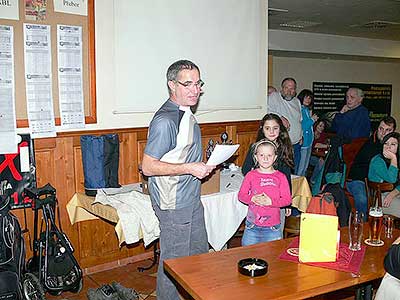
291, 110
389, 288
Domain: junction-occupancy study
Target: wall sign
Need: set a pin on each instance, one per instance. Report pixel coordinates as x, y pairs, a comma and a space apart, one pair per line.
329, 98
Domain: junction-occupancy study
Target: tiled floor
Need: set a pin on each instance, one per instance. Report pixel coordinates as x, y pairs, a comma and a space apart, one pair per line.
143, 282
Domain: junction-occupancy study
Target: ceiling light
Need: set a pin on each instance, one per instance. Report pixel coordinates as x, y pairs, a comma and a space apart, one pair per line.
299, 24
276, 11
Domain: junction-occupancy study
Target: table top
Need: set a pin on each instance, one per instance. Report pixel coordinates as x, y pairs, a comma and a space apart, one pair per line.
215, 275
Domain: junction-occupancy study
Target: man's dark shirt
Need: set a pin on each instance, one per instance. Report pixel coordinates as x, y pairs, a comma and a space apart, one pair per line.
359, 168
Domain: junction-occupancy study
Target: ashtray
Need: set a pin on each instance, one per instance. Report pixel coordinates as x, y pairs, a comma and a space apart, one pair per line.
252, 267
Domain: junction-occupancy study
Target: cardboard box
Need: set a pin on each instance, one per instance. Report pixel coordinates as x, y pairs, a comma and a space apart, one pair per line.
211, 184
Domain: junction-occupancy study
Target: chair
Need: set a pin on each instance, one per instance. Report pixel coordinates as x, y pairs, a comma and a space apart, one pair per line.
292, 226
349, 154
374, 191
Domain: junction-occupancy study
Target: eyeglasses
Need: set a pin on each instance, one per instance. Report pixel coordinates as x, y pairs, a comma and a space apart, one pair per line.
190, 84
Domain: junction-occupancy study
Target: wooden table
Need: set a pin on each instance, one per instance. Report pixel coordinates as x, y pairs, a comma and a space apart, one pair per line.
215, 276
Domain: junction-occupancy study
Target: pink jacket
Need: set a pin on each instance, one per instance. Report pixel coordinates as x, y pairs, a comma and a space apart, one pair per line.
274, 185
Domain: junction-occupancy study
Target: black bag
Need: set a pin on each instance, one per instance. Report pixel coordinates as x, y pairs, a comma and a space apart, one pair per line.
12, 253
113, 291
100, 158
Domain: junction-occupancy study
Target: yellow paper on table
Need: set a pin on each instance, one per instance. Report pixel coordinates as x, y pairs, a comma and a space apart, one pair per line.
319, 238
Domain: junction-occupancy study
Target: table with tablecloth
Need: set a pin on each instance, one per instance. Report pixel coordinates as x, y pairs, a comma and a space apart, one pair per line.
223, 211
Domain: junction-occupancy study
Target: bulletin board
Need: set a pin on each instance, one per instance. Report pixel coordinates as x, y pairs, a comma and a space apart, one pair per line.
53, 18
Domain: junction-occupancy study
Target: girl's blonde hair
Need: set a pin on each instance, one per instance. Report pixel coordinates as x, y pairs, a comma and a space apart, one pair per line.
263, 142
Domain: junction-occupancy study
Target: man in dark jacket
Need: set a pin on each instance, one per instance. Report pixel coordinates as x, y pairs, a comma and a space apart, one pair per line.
359, 169
352, 121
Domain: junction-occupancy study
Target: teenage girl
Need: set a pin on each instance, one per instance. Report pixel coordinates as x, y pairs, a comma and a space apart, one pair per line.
385, 168
265, 190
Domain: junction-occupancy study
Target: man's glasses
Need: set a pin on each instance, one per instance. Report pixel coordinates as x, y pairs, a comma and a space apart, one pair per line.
190, 84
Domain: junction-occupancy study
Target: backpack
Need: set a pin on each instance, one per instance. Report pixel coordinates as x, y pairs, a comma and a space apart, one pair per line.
100, 159
343, 207
12, 253
334, 169
323, 204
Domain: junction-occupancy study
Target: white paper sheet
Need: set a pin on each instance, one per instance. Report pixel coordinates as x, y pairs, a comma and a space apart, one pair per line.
77, 7
9, 10
8, 136
39, 97
70, 77
221, 153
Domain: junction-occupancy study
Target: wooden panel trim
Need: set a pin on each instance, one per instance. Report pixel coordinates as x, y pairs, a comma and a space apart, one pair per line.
59, 163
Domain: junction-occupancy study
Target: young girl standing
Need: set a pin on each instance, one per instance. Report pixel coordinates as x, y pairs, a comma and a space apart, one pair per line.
265, 191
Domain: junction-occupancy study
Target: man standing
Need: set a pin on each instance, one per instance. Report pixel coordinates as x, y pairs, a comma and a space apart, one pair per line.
288, 107
359, 169
353, 119
173, 161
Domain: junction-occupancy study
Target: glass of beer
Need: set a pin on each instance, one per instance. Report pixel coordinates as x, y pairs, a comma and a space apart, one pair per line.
375, 226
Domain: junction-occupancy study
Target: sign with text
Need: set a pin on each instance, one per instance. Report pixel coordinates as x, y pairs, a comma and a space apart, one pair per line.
18, 171
329, 98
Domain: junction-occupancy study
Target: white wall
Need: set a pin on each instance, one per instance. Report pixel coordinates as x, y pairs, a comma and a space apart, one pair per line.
307, 70
105, 76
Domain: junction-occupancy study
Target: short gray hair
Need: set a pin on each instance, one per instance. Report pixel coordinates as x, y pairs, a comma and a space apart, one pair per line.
359, 92
176, 67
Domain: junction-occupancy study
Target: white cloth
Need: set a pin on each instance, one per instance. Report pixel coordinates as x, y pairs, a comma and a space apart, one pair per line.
223, 215
389, 288
135, 213
223, 212
291, 110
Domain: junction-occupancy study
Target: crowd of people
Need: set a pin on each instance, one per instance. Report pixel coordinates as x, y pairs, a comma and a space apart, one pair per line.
291, 138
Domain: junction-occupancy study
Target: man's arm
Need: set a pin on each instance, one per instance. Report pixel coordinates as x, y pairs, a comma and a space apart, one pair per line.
154, 167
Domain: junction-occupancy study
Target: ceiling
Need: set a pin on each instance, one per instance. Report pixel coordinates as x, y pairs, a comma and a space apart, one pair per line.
374, 19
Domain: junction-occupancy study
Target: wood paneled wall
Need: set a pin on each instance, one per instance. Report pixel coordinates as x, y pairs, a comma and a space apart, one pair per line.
59, 162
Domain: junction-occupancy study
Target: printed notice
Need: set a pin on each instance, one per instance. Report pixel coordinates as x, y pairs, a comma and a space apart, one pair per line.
70, 77
8, 136
9, 9
77, 7
39, 97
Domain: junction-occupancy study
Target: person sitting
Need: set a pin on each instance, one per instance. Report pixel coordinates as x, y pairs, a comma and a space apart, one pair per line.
384, 167
359, 169
353, 119
306, 98
389, 288
320, 145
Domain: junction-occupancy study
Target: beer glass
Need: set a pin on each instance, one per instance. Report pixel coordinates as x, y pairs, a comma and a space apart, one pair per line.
375, 226
355, 230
